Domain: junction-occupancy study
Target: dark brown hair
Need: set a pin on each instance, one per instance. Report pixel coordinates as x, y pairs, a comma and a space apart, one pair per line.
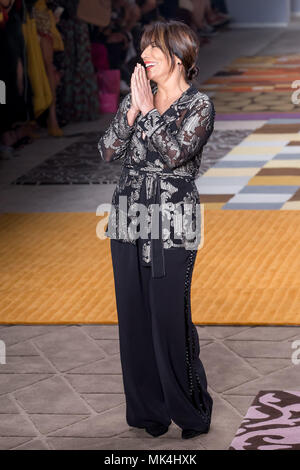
174, 38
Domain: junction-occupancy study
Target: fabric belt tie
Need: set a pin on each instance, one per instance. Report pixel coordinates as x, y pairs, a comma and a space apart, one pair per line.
156, 244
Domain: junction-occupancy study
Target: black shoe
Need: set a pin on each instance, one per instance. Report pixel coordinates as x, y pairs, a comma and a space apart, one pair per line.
189, 433
158, 430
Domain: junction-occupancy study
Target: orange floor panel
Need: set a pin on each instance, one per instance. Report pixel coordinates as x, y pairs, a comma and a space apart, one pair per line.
55, 270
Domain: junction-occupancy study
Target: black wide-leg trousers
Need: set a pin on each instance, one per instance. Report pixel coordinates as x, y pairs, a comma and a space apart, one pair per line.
163, 376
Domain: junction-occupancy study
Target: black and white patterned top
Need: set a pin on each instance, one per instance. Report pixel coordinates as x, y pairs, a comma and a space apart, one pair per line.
161, 158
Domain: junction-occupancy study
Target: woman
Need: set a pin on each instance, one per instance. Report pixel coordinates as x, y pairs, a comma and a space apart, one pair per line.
159, 134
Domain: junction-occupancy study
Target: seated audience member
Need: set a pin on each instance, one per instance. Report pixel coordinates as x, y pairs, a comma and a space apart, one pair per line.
117, 38
201, 17
168, 9
220, 6
149, 10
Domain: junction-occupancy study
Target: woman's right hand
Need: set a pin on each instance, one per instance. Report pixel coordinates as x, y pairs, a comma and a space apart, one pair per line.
134, 105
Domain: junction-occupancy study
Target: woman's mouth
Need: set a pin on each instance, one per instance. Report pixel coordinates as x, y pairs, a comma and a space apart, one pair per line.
150, 66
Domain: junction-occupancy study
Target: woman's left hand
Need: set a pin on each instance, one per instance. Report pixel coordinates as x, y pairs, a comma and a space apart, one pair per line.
142, 89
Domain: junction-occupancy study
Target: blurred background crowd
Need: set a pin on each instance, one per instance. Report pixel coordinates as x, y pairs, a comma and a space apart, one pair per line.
66, 61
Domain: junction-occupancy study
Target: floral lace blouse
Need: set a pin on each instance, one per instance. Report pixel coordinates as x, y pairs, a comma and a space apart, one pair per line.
161, 157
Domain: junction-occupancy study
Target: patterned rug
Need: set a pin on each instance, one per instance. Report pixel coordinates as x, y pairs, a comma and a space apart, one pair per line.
272, 422
80, 163
262, 172
258, 87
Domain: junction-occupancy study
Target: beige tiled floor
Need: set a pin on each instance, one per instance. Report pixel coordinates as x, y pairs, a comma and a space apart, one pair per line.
62, 388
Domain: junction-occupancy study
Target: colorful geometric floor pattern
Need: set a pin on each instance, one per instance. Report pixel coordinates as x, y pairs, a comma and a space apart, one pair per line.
57, 271
255, 87
262, 172
271, 423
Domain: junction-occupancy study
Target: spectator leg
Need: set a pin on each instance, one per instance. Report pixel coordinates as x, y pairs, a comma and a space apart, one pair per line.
199, 12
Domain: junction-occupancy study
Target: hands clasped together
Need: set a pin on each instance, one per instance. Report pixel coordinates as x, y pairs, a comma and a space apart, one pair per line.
141, 93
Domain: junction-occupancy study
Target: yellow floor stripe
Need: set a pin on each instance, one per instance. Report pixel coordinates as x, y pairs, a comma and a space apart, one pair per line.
283, 164
274, 136
282, 180
54, 269
240, 171
291, 205
259, 150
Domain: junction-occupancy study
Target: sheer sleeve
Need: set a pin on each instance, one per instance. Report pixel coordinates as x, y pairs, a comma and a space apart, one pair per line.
114, 142
195, 130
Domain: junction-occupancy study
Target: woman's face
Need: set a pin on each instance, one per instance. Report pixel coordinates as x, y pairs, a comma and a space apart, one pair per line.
160, 69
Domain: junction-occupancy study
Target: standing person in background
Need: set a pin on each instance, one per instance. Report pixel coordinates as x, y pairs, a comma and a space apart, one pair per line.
11, 71
50, 41
15, 115
78, 93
